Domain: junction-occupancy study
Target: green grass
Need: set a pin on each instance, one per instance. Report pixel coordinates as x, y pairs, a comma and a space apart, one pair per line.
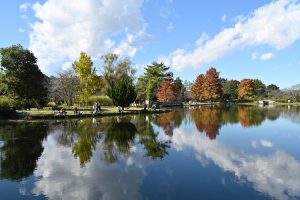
47, 111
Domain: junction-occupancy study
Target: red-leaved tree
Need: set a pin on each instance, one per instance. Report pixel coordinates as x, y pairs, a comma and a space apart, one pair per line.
246, 89
212, 87
167, 91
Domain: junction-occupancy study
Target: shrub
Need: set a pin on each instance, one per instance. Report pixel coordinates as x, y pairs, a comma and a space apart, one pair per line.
103, 100
5, 101
51, 104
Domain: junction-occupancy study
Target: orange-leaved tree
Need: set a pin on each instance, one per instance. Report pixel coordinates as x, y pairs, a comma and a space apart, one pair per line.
197, 88
246, 89
212, 87
167, 91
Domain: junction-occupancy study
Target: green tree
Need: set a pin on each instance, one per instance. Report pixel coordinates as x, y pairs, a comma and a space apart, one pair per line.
272, 87
259, 88
24, 80
154, 75
123, 92
140, 89
230, 89
115, 69
3, 85
87, 75
181, 89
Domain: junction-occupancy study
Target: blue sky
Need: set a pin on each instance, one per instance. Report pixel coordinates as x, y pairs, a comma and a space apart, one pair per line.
252, 39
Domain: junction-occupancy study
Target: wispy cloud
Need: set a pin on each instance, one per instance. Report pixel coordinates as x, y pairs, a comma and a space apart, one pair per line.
276, 24
167, 9
21, 30
170, 27
24, 7
224, 18
264, 56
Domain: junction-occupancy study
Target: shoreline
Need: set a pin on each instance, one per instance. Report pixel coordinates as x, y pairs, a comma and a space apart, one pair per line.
81, 116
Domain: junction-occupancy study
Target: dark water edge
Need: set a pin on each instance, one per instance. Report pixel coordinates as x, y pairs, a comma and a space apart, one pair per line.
207, 152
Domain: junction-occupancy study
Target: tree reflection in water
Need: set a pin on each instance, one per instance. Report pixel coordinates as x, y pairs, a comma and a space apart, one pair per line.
209, 119
116, 135
21, 145
21, 148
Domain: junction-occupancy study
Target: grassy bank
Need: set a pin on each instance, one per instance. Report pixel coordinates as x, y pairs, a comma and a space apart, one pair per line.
85, 113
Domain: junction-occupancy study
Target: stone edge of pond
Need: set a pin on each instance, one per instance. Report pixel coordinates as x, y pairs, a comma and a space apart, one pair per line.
50, 116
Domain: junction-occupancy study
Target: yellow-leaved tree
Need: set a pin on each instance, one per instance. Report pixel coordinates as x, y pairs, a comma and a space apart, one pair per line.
87, 75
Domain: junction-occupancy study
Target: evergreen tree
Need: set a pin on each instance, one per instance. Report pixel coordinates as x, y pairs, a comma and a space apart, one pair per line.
230, 89
123, 93
154, 75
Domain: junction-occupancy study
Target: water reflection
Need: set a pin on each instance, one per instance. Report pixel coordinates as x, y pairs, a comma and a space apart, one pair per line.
115, 157
21, 147
277, 174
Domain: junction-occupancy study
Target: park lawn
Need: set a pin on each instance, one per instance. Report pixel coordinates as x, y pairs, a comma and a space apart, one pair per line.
47, 111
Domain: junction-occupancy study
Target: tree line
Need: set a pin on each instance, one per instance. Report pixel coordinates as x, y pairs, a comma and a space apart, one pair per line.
24, 85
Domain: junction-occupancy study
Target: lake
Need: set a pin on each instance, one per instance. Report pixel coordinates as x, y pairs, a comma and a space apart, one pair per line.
208, 152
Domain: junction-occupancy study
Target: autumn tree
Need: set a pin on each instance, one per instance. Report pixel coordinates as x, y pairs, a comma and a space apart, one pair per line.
167, 91
212, 87
87, 75
197, 88
246, 89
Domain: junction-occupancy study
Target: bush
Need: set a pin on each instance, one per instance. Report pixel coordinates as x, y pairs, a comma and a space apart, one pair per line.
51, 104
5, 101
103, 100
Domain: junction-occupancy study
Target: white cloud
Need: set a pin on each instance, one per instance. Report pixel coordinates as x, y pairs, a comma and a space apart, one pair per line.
263, 143
276, 24
224, 17
267, 56
170, 27
24, 7
130, 46
203, 38
277, 174
61, 177
63, 30
264, 56
167, 9
66, 66
21, 30
266, 143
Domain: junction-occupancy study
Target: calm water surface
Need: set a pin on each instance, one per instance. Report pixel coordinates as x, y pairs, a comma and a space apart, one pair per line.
200, 153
